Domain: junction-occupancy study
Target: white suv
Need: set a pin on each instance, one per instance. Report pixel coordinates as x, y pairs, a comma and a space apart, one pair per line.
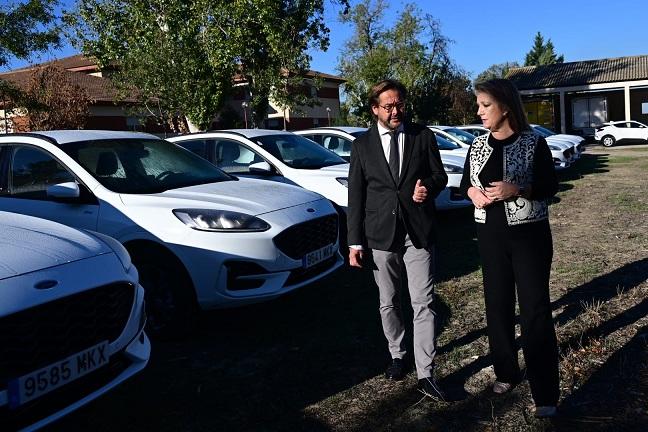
273, 155
338, 139
197, 235
71, 320
609, 133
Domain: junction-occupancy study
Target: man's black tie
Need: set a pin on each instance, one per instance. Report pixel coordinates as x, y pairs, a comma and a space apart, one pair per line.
393, 155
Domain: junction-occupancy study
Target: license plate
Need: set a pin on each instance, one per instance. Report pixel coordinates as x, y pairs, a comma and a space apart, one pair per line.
317, 256
58, 374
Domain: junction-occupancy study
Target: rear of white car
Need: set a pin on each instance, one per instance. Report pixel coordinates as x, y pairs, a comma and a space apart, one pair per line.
71, 320
610, 133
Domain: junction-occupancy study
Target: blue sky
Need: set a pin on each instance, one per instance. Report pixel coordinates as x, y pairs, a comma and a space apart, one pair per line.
486, 33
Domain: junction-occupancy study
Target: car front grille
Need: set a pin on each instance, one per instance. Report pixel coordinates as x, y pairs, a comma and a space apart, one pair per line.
305, 237
39, 336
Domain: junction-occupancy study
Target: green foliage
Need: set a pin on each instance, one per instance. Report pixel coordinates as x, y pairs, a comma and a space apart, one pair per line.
496, 71
185, 54
542, 53
27, 27
413, 51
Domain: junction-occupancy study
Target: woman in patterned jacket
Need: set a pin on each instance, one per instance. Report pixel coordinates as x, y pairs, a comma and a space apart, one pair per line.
509, 176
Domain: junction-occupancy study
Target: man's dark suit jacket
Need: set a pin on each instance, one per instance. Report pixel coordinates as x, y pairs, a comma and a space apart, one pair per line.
375, 200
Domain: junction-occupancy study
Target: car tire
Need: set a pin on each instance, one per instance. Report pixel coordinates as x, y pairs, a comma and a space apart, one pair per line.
171, 305
608, 140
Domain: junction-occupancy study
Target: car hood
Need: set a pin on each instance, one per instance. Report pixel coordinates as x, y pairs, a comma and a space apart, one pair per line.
572, 138
458, 160
559, 141
29, 244
341, 169
245, 195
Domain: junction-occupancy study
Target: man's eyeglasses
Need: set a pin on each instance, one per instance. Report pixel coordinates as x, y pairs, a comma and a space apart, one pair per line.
390, 107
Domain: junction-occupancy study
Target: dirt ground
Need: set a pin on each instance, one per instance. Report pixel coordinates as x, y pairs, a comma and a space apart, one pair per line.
313, 360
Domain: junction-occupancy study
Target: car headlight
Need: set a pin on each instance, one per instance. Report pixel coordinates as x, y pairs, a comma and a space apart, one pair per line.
220, 220
118, 248
453, 169
554, 147
344, 181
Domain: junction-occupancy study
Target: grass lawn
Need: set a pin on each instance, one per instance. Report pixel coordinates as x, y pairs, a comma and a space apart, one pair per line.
313, 360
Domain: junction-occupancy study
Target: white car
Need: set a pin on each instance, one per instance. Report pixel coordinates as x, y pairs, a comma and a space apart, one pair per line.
458, 136
563, 153
474, 129
280, 156
609, 133
578, 142
285, 156
338, 139
71, 320
198, 236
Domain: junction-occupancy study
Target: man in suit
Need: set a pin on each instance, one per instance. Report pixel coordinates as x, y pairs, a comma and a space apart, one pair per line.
396, 172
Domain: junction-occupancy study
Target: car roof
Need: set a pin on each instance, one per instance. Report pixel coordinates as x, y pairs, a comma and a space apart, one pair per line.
348, 129
69, 136
251, 133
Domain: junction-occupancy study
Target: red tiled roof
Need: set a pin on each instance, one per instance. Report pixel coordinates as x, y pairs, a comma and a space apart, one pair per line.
99, 89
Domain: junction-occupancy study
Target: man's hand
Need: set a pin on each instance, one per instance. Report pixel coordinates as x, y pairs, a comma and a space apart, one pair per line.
355, 257
478, 197
420, 192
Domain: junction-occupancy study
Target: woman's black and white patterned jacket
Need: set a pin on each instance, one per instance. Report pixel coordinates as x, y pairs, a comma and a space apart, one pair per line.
524, 164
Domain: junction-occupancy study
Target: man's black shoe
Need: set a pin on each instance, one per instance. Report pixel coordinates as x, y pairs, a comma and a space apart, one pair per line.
396, 370
431, 389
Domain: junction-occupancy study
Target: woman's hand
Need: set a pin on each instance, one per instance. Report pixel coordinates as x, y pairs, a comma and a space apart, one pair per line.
478, 197
501, 190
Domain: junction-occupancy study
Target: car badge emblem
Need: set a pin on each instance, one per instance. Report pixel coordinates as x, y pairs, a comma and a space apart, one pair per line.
46, 284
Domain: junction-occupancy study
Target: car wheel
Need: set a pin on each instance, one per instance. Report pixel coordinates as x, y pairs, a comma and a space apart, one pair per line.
171, 306
608, 141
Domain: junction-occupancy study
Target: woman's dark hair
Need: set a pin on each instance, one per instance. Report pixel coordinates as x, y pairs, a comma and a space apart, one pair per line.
507, 96
384, 86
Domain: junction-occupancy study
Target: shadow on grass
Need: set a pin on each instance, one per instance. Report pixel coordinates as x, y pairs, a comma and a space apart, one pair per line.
591, 403
615, 396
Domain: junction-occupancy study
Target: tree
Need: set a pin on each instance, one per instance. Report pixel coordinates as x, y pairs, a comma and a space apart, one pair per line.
185, 54
496, 71
542, 53
53, 101
413, 51
27, 27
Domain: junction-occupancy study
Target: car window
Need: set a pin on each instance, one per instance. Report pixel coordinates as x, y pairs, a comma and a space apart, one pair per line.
199, 147
315, 137
297, 151
234, 157
337, 144
445, 144
32, 171
142, 166
461, 135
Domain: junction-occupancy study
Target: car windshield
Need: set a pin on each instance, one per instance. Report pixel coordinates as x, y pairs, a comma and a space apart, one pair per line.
461, 135
143, 166
445, 144
297, 151
546, 131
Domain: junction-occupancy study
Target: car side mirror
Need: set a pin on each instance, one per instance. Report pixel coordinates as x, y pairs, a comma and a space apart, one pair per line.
64, 191
261, 168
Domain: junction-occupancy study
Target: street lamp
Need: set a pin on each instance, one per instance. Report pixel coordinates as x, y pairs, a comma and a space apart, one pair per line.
328, 115
244, 106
